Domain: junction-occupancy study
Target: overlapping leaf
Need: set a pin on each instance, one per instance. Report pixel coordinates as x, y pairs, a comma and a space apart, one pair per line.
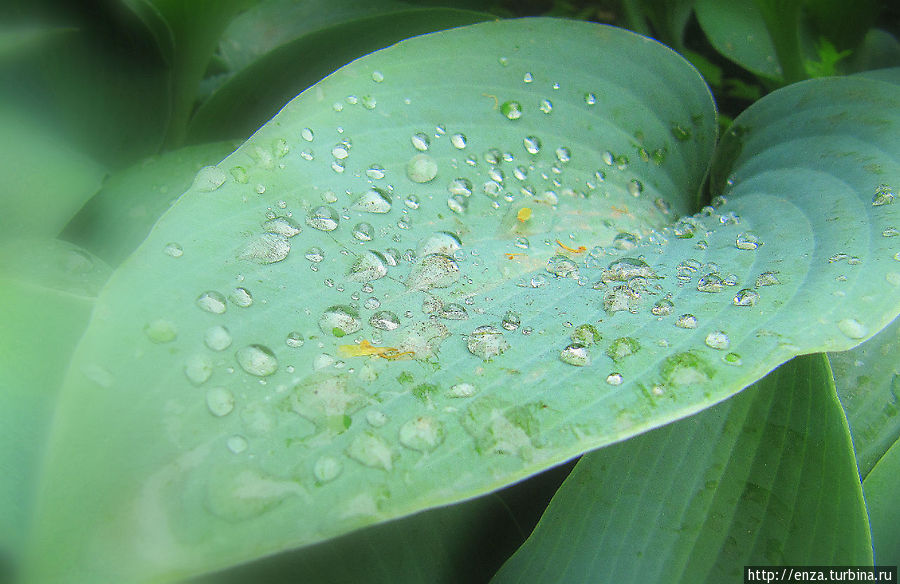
447, 266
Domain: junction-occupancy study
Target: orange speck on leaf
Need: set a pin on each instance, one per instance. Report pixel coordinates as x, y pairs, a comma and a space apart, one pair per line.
579, 249
512, 256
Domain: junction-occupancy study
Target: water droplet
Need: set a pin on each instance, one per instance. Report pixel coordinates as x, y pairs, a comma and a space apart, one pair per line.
546, 106
257, 360
307, 134
217, 338
236, 444
454, 311
385, 320
711, 282
340, 320
511, 321
625, 241
420, 141
680, 132
462, 390
375, 172
173, 249
377, 76
512, 110
373, 201
528, 77
624, 269
890, 232
562, 267
423, 433
434, 271
368, 267
747, 240
323, 218
267, 248
486, 342
198, 369
717, 340
209, 178
460, 186
576, 354
852, 328
884, 195
220, 401
685, 369
284, 226
563, 154
161, 331
522, 243
623, 347
421, 168
532, 144
746, 297
662, 307
212, 301
635, 188
363, 231
371, 450
315, 254
241, 297
615, 378
686, 321
585, 335
294, 339
767, 279
442, 242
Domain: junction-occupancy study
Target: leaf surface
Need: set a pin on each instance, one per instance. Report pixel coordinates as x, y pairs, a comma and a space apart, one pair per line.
884, 514
447, 267
736, 485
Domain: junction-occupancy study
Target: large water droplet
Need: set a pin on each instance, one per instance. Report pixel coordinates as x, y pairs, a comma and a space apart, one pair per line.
442, 242
462, 390
323, 218
615, 378
434, 271
284, 226
458, 141
373, 201
257, 360
421, 168
662, 307
423, 433
685, 369
340, 320
327, 468
241, 297
717, 340
585, 334
711, 282
454, 311
371, 450
623, 347
511, 321
217, 338
212, 301
384, 320
624, 269
294, 339
198, 369
562, 267
746, 297
420, 141
532, 144
576, 354
369, 266
884, 195
747, 240
852, 328
173, 249
767, 279
486, 342
220, 401
268, 248
363, 231
686, 321
209, 178
512, 110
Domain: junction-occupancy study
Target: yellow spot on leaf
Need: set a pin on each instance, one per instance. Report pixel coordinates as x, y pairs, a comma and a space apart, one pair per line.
524, 214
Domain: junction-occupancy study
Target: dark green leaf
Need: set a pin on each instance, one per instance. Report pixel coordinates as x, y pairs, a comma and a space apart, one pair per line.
765, 478
881, 488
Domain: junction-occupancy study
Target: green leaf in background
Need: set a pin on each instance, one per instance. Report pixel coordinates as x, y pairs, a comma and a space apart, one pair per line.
450, 265
267, 64
738, 31
187, 34
46, 180
118, 218
739, 484
880, 487
16, 40
47, 289
868, 383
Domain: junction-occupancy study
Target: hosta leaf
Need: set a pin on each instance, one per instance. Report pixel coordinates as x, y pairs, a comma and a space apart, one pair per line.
868, 383
386, 301
47, 289
118, 218
884, 512
739, 484
281, 47
738, 31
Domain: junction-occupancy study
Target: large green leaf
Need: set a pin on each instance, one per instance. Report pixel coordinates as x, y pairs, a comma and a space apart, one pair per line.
868, 383
281, 47
47, 289
739, 484
445, 185
884, 512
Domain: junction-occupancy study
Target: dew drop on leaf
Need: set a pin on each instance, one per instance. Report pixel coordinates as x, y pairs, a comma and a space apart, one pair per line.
421, 168
212, 301
512, 110
717, 340
575, 354
852, 328
323, 218
209, 178
486, 342
268, 248
198, 369
241, 297
217, 338
161, 331
385, 320
173, 249
371, 450
220, 401
327, 468
257, 360
686, 321
340, 320
746, 297
423, 433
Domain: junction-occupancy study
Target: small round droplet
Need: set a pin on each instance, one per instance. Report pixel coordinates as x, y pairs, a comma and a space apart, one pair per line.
662, 308
220, 401
461, 187
421, 168
623, 347
710, 283
546, 106
307, 134
236, 444
412, 202
198, 369
217, 338
615, 379
717, 340
585, 334
377, 76
257, 360
368, 267
327, 468
363, 231
532, 144
294, 340
590, 98
173, 249
458, 141
563, 154
511, 321
512, 110
686, 321
212, 301
747, 240
423, 433
486, 342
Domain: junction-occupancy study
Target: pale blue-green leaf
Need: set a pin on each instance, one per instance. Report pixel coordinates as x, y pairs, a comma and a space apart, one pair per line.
281, 47
868, 383
47, 289
765, 478
738, 31
45, 179
115, 221
884, 513
451, 150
